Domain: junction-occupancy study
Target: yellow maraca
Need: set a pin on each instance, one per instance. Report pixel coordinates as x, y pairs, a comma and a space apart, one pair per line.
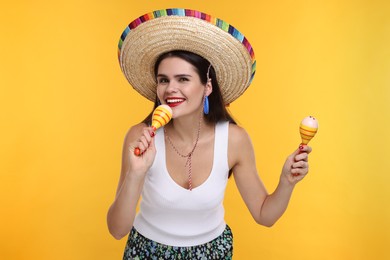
161, 116
308, 129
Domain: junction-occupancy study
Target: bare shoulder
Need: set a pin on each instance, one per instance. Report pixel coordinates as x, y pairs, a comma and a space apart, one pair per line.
238, 135
240, 145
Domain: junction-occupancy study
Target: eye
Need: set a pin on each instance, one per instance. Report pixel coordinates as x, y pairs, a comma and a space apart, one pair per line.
162, 80
183, 79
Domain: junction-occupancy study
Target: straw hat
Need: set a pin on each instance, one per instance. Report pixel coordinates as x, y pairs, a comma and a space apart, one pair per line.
153, 34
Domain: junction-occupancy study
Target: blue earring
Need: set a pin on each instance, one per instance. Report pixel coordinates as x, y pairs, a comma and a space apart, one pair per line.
206, 108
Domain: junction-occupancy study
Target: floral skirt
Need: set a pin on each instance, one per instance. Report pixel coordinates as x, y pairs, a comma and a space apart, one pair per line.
140, 247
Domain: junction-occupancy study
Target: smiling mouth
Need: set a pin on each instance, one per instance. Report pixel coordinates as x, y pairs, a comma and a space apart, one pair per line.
172, 102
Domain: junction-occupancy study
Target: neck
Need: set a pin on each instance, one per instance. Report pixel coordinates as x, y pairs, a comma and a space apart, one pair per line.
186, 128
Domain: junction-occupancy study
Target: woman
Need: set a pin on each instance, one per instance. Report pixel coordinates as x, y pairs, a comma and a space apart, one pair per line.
183, 170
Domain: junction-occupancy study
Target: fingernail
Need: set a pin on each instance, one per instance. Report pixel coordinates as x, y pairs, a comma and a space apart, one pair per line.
152, 134
300, 147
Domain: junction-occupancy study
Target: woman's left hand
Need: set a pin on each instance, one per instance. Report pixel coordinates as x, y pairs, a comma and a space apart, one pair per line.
296, 166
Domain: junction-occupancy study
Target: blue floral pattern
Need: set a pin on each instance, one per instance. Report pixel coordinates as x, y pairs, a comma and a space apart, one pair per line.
139, 247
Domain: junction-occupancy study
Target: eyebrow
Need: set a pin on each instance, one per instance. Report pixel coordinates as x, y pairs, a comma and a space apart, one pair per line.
175, 76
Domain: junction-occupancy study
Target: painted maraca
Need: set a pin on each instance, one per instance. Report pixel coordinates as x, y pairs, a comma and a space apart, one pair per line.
161, 116
308, 129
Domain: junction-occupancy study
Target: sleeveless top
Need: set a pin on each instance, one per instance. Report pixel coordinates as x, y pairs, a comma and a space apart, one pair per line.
172, 215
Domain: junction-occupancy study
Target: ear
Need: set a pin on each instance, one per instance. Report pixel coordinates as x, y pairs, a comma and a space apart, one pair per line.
208, 88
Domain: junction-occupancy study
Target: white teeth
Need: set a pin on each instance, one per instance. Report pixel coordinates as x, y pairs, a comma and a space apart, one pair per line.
174, 100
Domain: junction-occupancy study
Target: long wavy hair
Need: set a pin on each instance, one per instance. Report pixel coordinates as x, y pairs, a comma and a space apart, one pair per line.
217, 111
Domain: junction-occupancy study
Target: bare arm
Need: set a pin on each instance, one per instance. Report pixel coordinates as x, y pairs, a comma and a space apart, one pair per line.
121, 214
265, 208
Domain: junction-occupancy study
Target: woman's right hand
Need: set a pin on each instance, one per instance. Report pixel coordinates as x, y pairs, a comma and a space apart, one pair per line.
140, 164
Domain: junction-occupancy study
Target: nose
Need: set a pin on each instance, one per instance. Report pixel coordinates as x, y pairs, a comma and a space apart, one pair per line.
172, 87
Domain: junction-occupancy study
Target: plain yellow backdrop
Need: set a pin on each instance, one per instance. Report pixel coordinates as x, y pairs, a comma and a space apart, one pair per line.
65, 108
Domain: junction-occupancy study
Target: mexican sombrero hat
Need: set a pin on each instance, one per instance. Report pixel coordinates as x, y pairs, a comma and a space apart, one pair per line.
155, 33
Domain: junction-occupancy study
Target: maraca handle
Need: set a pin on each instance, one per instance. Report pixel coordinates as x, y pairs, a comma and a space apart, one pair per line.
137, 151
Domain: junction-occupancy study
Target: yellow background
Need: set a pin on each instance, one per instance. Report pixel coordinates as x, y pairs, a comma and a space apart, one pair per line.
65, 108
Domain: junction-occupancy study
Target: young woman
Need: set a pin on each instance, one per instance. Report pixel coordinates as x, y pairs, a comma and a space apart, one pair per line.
184, 167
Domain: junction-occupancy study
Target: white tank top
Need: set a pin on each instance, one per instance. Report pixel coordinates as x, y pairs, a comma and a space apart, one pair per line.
172, 215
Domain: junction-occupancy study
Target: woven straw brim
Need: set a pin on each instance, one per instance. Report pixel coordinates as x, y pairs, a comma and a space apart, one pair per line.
144, 44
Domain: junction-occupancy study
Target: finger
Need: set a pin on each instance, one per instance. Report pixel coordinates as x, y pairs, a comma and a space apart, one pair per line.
146, 137
305, 149
148, 134
300, 164
151, 132
143, 144
299, 172
298, 176
152, 145
301, 157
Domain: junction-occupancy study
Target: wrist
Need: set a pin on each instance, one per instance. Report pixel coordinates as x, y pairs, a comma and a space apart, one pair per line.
286, 183
135, 176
